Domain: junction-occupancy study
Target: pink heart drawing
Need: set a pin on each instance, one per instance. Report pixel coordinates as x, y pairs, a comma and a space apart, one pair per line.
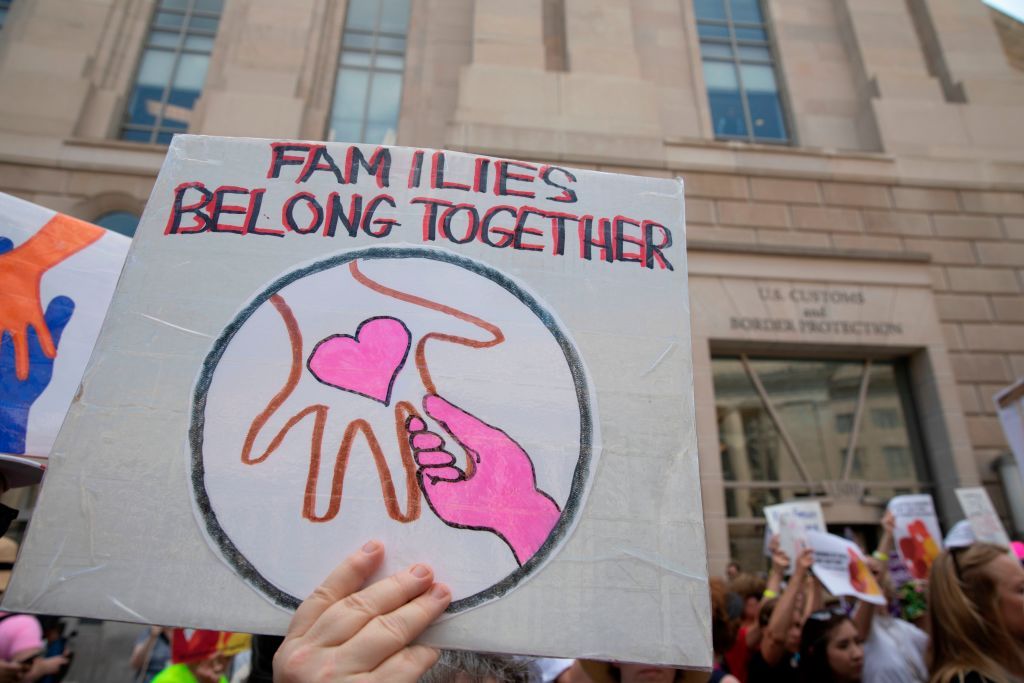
365, 363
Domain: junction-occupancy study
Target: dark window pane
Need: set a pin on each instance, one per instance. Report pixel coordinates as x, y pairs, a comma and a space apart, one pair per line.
724, 97
123, 222
168, 39
362, 15
710, 9
390, 43
169, 19
763, 99
394, 17
164, 138
755, 54
357, 41
201, 43
720, 50
712, 31
144, 104
745, 33
196, 23
748, 11
351, 58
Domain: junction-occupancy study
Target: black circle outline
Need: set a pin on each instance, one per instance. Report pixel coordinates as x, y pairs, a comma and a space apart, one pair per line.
572, 504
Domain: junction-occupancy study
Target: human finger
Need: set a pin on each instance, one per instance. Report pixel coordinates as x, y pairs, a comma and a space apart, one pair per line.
344, 619
437, 474
434, 458
347, 578
427, 441
20, 342
470, 432
387, 634
408, 664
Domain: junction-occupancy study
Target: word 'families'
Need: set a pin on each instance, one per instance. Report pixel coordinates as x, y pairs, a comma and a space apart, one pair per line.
511, 223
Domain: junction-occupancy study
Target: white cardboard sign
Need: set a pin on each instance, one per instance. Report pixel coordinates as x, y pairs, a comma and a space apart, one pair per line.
984, 521
842, 568
792, 521
917, 535
483, 363
57, 275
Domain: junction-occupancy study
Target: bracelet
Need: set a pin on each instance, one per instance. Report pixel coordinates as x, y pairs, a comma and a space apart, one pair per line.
880, 556
769, 594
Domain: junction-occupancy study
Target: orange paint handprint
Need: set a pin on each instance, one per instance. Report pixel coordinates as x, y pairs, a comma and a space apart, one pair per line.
21, 271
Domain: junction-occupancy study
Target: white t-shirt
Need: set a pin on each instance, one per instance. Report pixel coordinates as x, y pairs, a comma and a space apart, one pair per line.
894, 652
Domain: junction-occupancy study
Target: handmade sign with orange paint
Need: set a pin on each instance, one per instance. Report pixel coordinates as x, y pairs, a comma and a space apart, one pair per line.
57, 275
315, 344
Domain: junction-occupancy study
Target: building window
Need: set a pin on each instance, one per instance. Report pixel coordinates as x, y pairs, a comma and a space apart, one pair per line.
123, 222
368, 89
172, 70
739, 71
5, 7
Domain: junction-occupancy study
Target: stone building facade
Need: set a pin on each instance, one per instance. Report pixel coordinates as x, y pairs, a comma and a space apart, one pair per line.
856, 268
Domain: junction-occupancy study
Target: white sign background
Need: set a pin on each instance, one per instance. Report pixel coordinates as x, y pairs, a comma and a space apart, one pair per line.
978, 509
836, 561
791, 521
114, 535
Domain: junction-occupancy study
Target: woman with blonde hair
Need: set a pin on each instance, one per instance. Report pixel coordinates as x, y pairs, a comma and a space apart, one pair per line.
976, 597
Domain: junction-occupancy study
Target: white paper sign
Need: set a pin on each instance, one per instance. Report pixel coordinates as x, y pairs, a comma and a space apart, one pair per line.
842, 568
1010, 406
917, 535
483, 363
57, 275
791, 521
978, 509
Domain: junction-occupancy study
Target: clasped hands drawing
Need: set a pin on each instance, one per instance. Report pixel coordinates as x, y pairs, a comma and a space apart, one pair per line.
495, 490
29, 338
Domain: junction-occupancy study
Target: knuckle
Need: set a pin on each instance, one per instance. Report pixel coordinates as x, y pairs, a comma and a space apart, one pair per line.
394, 628
360, 604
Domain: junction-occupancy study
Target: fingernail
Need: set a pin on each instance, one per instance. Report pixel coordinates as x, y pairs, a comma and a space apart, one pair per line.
440, 591
371, 547
420, 571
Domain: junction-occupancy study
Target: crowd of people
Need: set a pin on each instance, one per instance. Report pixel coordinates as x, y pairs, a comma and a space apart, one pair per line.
964, 624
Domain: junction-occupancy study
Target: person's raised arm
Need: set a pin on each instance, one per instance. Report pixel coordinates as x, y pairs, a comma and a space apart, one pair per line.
341, 633
773, 644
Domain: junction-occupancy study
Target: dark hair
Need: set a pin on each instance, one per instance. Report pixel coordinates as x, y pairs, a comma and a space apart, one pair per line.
723, 628
765, 614
818, 628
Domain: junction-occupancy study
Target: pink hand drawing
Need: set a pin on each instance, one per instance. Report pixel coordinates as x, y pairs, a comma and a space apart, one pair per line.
497, 492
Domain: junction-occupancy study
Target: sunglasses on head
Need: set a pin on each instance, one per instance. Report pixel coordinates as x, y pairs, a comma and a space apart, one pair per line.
827, 614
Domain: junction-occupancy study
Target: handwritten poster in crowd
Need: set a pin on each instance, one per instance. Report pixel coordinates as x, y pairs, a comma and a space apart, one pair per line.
842, 568
57, 275
982, 516
484, 363
917, 534
792, 521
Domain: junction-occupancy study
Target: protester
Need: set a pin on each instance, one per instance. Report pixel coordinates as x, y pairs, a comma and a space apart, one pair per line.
976, 602
782, 621
723, 633
894, 650
732, 570
150, 654
830, 649
453, 666
751, 591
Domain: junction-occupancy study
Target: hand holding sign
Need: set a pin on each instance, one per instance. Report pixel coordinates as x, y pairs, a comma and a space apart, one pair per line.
498, 490
342, 633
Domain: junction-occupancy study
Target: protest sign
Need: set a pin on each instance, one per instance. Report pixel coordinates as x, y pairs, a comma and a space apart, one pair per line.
57, 275
1010, 406
978, 509
960, 536
791, 521
917, 534
483, 363
842, 568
